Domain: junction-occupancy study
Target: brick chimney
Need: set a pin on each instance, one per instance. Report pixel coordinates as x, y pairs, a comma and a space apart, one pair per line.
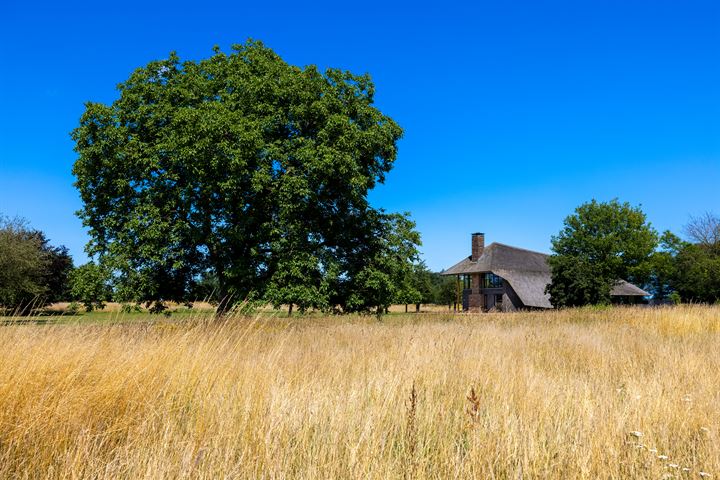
478, 245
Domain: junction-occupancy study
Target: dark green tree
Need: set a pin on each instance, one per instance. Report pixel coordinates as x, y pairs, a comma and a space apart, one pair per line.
601, 243
663, 267
379, 265
407, 292
59, 264
90, 285
446, 290
697, 274
696, 268
423, 284
32, 271
22, 266
239, 167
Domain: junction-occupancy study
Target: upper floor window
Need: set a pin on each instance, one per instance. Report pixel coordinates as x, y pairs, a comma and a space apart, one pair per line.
490, 280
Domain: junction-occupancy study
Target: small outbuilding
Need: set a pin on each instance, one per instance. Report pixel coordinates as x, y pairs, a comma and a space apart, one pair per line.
501, 277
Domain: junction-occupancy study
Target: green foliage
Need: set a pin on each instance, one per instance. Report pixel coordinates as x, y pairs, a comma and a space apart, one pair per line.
600, 244
22, 265
243, 169
663, 267
73, 308
417, 287
697, 273
377, 272
56, 277
685, 271
130, 308
32, 272
446, 289
89, 284
408, 289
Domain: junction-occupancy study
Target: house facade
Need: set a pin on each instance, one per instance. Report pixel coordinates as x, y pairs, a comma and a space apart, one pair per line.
506, 278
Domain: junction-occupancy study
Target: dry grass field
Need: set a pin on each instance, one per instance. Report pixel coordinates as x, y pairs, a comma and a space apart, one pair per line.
526, 395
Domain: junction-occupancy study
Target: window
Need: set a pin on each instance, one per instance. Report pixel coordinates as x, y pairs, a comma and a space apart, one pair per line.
467, 282
490, 280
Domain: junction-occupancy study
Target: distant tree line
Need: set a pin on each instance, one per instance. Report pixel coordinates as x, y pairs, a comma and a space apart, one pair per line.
33, 274
600, 243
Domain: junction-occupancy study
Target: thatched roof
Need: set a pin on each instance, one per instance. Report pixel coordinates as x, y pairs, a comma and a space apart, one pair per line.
624, 288
527, 272
498, 256
529, 286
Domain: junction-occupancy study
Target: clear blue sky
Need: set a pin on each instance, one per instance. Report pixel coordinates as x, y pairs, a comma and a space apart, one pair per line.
514, 112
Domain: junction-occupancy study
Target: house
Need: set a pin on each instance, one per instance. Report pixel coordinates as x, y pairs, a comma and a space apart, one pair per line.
501, 277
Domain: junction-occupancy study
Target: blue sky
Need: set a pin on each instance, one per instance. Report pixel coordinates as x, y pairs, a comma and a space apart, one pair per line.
514, 112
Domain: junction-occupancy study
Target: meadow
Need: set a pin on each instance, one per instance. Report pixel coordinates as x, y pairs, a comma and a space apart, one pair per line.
581, 394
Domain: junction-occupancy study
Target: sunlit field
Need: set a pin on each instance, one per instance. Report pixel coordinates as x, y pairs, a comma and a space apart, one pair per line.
591, 393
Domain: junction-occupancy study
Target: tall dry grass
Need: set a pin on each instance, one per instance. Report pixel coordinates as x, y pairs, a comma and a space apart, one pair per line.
527, 395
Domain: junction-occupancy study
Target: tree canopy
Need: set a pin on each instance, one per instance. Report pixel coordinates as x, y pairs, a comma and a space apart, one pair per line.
600, 244
693, 267
89, 285
246, 170
32, 271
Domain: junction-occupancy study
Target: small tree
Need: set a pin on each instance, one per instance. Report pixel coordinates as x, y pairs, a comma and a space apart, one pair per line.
445, 290
299, 280
696, 272
89, 284
22, 266
663, 267
423, 283
56, 275
600, 244
381, 266
32, 272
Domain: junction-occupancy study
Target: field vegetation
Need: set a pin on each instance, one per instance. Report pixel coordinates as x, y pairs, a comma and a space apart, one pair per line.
577, 393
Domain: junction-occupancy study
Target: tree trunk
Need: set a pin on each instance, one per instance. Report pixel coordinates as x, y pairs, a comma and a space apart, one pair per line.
225, 297
417, 308
290, 310
224, 305
406, 308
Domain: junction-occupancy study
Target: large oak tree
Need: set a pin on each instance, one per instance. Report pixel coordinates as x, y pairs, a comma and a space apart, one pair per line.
244, 169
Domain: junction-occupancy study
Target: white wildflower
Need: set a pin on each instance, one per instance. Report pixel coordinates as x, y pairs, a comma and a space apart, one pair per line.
636, 434
705, 475
673, 465
662, 457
